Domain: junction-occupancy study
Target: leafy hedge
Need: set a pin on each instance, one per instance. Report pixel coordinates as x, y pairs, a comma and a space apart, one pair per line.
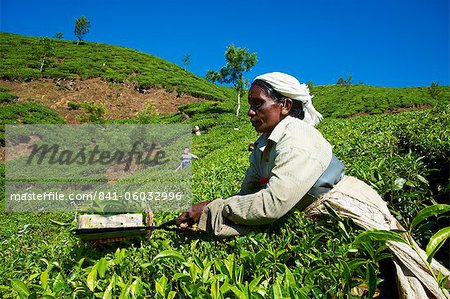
345, 101
296, 257
27, 113
5, 96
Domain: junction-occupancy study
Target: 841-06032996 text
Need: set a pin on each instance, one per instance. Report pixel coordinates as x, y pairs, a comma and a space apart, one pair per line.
98, 195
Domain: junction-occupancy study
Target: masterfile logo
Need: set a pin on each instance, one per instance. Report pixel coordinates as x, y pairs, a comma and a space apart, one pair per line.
106, 168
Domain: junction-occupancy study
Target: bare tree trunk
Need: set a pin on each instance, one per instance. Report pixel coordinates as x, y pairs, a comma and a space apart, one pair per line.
238, 102
42, 64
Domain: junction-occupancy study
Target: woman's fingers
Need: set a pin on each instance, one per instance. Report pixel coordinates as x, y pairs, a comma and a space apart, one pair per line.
191, 215
183, 225
182, 219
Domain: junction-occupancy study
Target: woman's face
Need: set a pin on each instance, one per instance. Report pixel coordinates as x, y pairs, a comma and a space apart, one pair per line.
264, 113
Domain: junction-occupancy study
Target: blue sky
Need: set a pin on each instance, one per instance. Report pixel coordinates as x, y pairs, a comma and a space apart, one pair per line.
378, 42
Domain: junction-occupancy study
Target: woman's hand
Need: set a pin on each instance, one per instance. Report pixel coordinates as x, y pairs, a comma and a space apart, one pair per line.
192, 215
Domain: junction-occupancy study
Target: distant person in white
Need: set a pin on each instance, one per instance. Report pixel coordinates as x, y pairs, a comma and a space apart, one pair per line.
197, 130
186, 159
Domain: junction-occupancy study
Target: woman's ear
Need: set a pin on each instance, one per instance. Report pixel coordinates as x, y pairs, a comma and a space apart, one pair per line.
287, 106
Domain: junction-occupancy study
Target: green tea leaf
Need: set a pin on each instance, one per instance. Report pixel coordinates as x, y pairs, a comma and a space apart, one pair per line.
356, 263
59, 283
433, 210
170, 254
303, 292
206, 272
255, 282
92, 278
237, 292
193, 270
317, 293
108, 293
382, 256
277, 294
260, 256
332, 211
125, 293
371, 278
60, 223
436, 241
160, 285
347, 275
215, 287
179, 276
137, 289
20, 287
44, 279
102, 266
422, 179
146, 265
378, 235
289, 277
442, 279
198, 261
109, 289
342, 227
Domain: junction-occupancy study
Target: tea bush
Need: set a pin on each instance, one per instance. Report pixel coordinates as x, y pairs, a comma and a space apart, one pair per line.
345, 101
6, 97
28, 113
297, 257
144, 71
90, 60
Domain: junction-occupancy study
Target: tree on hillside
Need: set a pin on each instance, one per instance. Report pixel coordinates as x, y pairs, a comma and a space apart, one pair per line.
58, 35
239, 60
82, 26
349, 81
310, 86
340, 82
434, 90
43, 49
343, 82
186, 60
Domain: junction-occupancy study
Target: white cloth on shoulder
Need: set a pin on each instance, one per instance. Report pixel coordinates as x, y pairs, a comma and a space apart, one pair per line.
352, 198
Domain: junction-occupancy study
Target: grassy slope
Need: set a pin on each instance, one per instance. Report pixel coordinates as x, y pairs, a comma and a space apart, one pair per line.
21, 60
344, 101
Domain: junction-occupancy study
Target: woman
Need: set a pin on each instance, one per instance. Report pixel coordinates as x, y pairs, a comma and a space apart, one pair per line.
292, 166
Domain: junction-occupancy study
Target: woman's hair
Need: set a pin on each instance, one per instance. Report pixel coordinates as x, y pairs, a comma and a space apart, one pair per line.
297, 106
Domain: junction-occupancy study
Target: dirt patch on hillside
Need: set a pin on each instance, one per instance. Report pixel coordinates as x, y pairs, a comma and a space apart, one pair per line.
119, 100
414, 107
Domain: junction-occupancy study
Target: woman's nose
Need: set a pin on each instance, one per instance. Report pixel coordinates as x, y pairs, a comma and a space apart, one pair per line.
251, 112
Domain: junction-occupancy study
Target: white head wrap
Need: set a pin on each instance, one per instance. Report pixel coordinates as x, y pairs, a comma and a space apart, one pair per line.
290, 87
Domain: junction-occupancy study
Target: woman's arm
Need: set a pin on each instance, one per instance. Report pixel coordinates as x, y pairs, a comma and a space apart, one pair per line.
294, 173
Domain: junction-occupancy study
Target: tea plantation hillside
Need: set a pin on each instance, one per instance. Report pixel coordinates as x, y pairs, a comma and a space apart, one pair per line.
22, 58
404, 156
